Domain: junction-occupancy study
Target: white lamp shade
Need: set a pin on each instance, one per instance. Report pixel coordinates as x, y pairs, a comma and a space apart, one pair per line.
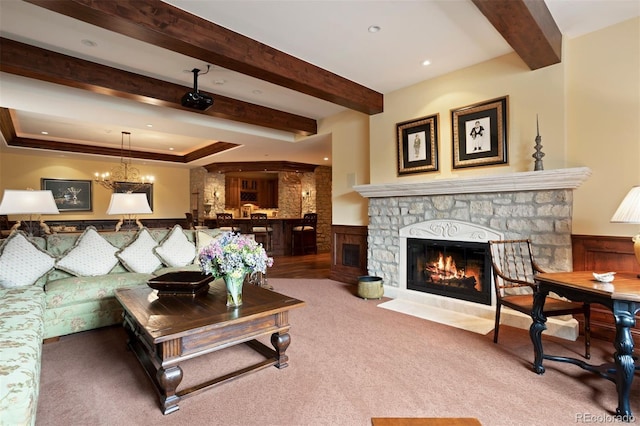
629, 209
16, 201
129, 203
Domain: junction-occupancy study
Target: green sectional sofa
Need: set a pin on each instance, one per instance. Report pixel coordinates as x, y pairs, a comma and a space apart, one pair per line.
64, 283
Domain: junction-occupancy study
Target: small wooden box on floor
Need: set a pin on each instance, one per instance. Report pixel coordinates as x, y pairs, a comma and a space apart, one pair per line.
425, 421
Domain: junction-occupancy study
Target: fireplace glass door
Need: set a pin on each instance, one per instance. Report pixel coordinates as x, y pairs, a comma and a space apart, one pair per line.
457, 269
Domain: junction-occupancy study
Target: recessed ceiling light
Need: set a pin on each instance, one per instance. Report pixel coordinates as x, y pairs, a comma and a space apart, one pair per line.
149, 125
257, 92
44, 133
426, 62
89, 43
219, 82
326, 158
171, 149
373, 28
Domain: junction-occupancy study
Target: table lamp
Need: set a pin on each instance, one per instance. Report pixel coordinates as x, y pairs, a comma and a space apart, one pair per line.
629, 212
128, 204
28, 202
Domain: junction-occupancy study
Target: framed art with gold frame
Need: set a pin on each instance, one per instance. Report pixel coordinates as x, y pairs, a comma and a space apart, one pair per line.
479, 134
418, 145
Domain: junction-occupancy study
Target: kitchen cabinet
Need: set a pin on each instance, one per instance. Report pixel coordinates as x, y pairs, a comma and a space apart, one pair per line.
232, 192
257, 191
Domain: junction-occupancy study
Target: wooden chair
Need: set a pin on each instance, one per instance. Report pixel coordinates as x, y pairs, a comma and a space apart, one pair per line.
225, 222
260, 227
4, 222
5, 227
513, 271
303, 236
189, 224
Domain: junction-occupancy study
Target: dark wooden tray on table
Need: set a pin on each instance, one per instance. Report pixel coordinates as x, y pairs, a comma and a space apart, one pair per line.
181, 283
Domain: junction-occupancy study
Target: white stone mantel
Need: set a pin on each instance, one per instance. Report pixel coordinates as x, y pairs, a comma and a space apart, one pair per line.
521, 181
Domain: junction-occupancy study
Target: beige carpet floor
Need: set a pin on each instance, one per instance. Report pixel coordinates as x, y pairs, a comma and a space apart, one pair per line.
349, 361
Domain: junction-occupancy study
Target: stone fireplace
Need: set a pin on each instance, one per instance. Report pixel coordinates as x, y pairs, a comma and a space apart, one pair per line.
536, 205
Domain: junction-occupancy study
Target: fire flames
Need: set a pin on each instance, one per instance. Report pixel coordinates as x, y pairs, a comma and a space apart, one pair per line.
444, 271
445, 267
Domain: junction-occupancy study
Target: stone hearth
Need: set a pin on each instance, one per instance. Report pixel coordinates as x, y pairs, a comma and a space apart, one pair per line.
536, 205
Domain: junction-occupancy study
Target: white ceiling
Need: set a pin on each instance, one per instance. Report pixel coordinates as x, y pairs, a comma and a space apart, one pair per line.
330, 34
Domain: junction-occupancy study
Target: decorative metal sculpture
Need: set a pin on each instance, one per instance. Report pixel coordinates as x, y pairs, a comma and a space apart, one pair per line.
538, 154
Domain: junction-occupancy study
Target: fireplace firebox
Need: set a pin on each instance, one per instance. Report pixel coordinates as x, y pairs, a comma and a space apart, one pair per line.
457, 269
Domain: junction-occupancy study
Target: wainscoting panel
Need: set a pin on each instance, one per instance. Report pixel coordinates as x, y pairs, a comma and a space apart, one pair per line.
349, 257
603, 254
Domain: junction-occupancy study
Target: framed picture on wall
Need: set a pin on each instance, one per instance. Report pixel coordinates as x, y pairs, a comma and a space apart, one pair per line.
479, 134
70, 195
418, 145
144, 188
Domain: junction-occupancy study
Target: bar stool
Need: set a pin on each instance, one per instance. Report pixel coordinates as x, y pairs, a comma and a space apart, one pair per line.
190, 224
304, 235
260, 226
225, 222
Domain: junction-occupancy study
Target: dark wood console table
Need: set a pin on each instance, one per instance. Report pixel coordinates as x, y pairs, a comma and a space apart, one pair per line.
165, 331
622, 297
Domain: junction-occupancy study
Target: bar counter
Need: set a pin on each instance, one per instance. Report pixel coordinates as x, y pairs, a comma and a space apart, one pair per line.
280, 238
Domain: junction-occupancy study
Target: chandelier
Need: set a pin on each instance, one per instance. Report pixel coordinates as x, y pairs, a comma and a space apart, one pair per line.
123, 173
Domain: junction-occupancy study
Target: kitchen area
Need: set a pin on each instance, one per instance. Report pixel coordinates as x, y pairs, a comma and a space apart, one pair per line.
284, 196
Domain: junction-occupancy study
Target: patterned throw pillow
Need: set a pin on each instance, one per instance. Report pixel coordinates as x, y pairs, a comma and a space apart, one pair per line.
90, 256
22, 263
176, 249
138, 255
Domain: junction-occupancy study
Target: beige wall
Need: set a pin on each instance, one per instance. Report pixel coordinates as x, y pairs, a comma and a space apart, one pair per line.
503, 76
603, 123
589, 112
350, 165
170, 190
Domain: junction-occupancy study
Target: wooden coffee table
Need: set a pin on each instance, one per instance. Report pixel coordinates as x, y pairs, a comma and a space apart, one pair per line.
167, 330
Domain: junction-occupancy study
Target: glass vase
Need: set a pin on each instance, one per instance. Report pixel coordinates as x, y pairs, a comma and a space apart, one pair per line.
234, 282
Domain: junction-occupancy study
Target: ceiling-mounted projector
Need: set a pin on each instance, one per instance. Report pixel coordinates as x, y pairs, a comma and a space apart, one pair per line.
195, 99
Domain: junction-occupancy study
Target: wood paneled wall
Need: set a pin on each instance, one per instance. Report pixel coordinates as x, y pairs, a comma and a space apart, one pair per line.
604, 254
349, 260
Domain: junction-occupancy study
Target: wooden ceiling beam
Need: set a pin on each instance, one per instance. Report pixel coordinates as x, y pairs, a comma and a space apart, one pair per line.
209, 150
260, 166
527, 25
33, 62
169, 27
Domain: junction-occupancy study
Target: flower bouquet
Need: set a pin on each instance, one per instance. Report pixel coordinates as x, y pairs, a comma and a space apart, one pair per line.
232, 256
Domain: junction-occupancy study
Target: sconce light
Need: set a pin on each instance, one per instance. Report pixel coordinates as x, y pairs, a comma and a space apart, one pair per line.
216, 194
